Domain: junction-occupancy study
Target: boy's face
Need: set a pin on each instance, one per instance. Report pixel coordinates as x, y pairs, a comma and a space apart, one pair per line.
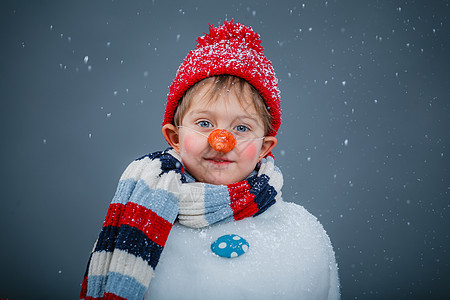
227, 112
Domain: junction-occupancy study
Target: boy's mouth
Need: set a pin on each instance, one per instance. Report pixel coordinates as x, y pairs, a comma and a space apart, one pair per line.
218, 160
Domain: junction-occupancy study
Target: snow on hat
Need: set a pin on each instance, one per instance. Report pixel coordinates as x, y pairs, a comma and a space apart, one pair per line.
230, 49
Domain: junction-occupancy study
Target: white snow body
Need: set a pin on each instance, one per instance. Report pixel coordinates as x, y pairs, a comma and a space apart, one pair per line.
290, 257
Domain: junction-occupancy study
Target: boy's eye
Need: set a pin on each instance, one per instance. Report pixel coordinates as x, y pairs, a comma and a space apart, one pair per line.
204, 124
242, 128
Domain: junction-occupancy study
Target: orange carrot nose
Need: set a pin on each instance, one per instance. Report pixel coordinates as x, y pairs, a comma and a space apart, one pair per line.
222, 140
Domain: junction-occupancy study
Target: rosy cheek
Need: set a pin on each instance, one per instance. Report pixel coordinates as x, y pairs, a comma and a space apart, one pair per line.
249, 152
192, 143
188, 143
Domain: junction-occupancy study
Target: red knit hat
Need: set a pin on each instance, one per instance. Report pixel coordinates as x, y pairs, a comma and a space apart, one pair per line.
230, 49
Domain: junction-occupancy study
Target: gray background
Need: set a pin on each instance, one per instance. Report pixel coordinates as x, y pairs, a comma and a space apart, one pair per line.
364, 143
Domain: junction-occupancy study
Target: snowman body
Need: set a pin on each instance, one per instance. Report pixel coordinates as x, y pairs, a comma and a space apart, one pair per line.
289, 257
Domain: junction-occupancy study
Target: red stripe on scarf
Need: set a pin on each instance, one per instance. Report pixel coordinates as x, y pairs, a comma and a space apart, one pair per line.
115, 211
84, 288
241, 200
155, 228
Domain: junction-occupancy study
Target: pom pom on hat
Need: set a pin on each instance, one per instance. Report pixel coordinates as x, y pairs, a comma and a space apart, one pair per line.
230, 49
231, 32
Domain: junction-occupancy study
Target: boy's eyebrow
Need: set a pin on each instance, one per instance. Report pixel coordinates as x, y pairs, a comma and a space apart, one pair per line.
250, 117
199, 112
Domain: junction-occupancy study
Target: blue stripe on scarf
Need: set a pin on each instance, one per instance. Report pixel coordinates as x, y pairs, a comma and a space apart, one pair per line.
96, 286
216, 196
123, 191
124, 286
107, 239
161, 202
222, 215
264, 192
131, 240
135, 242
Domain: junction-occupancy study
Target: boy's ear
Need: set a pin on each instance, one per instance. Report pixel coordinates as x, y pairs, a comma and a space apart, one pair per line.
268, 144
170, 133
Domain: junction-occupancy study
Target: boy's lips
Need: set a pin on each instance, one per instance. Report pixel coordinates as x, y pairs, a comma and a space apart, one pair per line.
218, 160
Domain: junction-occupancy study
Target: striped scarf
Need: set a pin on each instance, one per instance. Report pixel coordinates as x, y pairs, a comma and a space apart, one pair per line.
152, 193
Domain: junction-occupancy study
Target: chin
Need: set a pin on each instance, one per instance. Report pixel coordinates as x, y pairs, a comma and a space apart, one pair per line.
220, 180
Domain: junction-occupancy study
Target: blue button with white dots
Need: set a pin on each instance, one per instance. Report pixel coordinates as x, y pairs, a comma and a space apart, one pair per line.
230, 246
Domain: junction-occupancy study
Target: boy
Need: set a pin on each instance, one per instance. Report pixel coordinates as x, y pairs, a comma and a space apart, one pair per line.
221, 119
